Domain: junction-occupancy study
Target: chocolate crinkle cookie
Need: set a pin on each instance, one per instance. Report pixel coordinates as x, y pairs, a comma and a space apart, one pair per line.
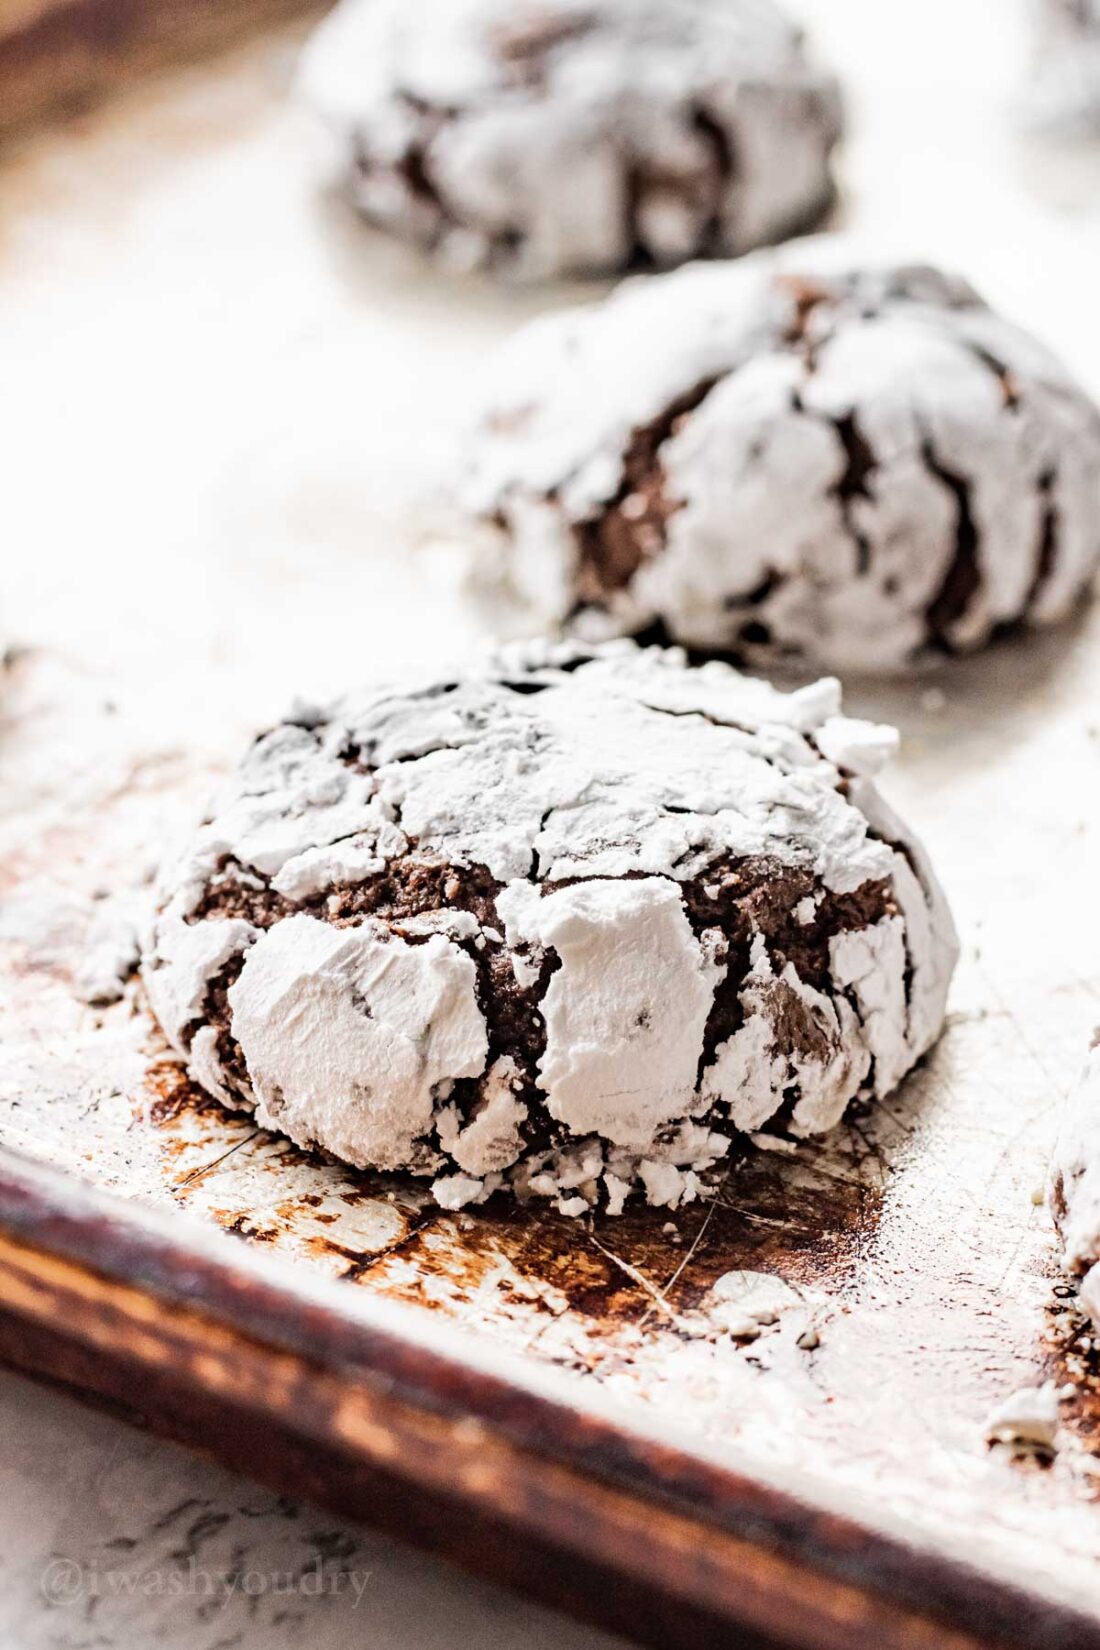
800, 457
550, 136
1075, 1182
565, 922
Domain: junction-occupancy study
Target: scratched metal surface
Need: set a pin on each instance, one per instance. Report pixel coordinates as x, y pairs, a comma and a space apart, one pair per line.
220, 401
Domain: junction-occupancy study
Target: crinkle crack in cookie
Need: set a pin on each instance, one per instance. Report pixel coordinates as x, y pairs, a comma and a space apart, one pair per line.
547, 136
1075, 1182
567, 921
799, 457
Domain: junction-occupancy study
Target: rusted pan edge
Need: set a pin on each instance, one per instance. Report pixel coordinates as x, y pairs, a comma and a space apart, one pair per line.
57, 56
366, 1383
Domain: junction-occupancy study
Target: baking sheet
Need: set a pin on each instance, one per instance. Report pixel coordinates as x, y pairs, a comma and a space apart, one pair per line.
222, 405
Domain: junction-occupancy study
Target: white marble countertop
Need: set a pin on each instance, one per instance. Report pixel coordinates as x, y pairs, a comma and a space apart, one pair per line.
111, 1538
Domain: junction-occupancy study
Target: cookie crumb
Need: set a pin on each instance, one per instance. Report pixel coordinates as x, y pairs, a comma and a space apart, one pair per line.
1027, 1420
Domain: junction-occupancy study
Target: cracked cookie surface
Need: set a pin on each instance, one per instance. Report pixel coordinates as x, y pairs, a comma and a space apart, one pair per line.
541, 137
568, 920
801, 457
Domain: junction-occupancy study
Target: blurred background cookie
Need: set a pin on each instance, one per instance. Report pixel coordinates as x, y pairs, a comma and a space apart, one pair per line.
553, 136
805, 457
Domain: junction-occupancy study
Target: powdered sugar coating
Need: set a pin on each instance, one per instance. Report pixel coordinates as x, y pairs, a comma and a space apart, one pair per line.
801, 457
603, 910
400, 1019
546, 136
627, 1008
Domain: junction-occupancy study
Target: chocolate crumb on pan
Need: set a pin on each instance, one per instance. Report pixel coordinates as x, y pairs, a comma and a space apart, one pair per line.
802, 458
542, 137
565, 922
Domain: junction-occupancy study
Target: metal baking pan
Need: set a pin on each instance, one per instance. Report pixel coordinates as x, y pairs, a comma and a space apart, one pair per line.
225, 404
